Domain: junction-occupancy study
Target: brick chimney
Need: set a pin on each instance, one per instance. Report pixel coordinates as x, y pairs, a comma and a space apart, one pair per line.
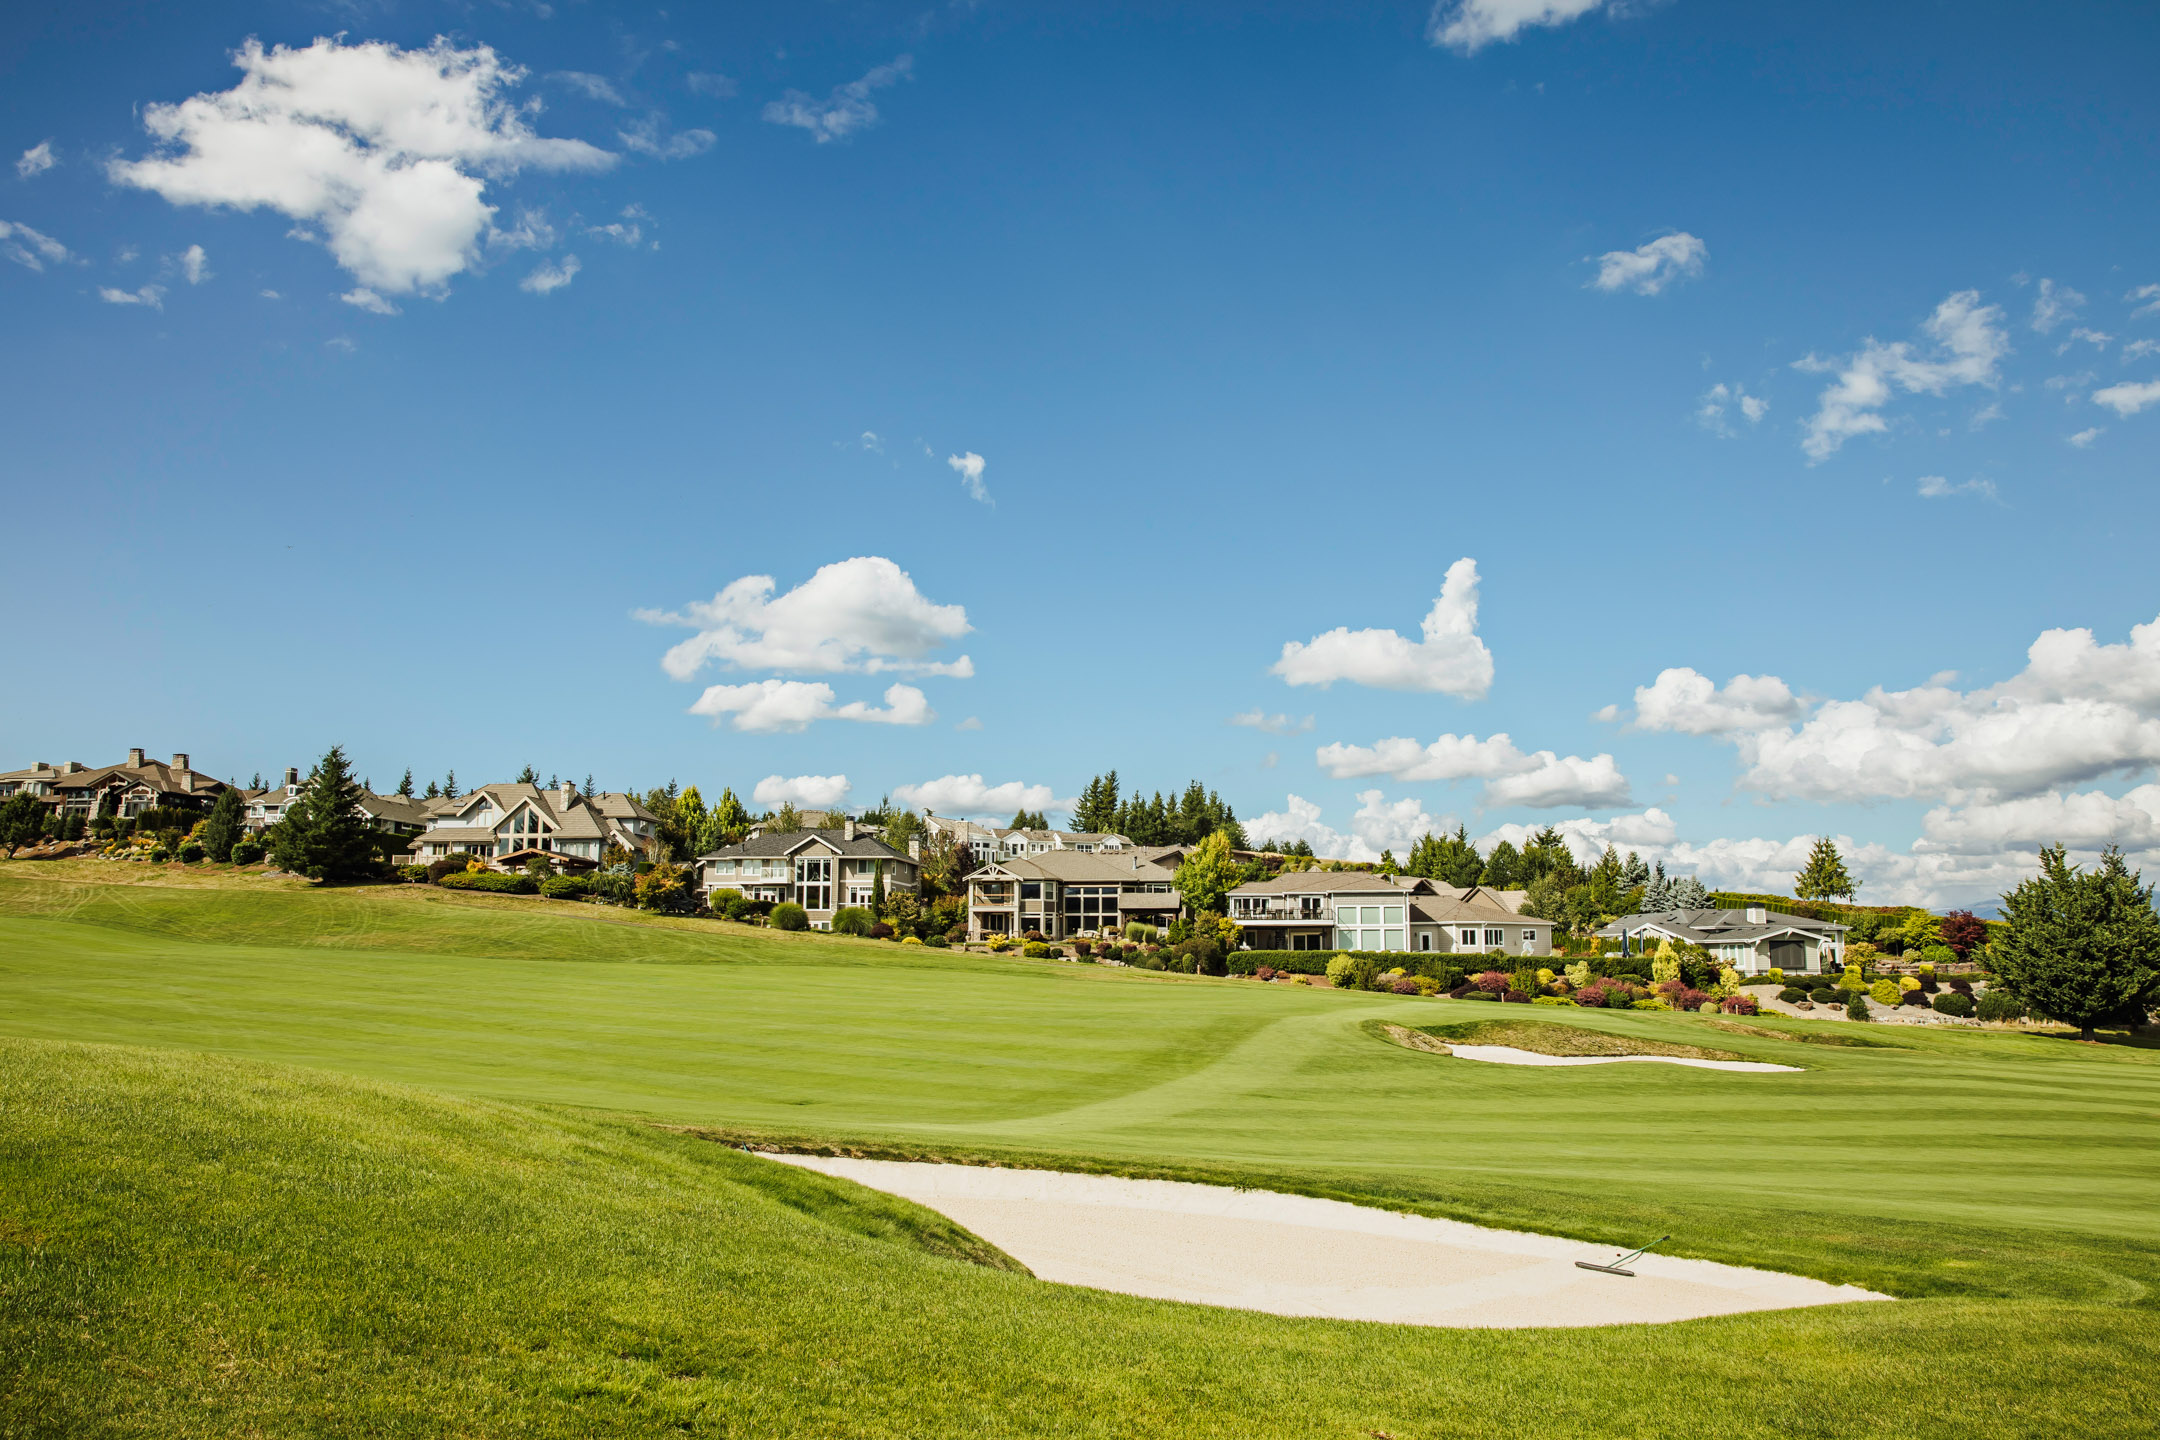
135, 757
847, 829
179, 762
566, 793
292, 777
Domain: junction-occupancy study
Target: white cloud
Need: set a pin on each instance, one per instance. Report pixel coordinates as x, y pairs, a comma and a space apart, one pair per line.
2139, 349
340, 343
36, 160
2126, 400
771, 706
1379, 824
547, 278
1968, 344
1649, 268
2148, 293
530, 232
1690, 703
1719, 399
150, 295
1450, 659
2079, 710
810, 792
270, 295
2098, 339
862, 615
703, 82
1937, 487
847, 110
973, 722
2053, 305
1649, 833
2070, 382
967, 795
383, 154
970, 469
1272, 724
626, 230
647, 138
2088, 820
1470, 25
592, 87
1539, 779
28, 248
362, 298
2084, 438
194, 265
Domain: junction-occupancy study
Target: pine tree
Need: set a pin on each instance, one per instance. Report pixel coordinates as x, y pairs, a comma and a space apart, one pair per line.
256, 784
1687, 893
449, 785
526, 776
405, 786
2082, 947
588, 784
1634, 874
1825, 877
432, 792
224, 827
325, 835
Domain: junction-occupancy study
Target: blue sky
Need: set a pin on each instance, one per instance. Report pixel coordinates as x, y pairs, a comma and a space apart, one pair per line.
427, 399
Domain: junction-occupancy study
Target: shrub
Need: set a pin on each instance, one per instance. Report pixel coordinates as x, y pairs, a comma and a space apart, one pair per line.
1792, 995
1265, 972
1037, 950
787, 915
1033, 937
1691, 999
1997, 1005
722, 902
1950, 1002
852, 920
1083, 948
191, 852
1404, 985
619, 889
1960, 984
883, 931
1492, 982
1739, 1005
1774, 975
491, 881
159, 854
936, 942
1856, 1008
410, 874
1908, 983
665, 887
911, 940
452, 865
1592, 996
1884, 992
566, 887
1346, 971
246, 852
1938, 955
1913, 997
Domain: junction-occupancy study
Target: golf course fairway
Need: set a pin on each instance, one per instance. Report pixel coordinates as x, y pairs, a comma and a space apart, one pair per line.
401, 1161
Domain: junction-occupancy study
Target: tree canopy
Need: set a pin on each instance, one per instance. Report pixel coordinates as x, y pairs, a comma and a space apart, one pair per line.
224, 827
1824, 877
324, 834
1207, 875
2082, 947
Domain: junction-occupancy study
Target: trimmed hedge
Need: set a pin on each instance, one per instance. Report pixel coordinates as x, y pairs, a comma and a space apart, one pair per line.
492, 881
1449, 972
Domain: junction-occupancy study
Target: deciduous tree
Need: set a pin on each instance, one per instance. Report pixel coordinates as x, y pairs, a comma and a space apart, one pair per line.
1208, 873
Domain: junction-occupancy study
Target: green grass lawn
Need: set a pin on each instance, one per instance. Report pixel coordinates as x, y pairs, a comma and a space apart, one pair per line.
467, 1256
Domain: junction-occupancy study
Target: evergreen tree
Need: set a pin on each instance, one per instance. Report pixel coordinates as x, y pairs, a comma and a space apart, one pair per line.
1634, 874
1687, 893
405, 786
256, 784
1097, 811
449, 786
325, 835
1657, 895
785, 820
588, 784
224, 827
1029, 820
2082, 948
1503, 868
1824, 877
527, 777
432, 792
1605, 891
1387, 862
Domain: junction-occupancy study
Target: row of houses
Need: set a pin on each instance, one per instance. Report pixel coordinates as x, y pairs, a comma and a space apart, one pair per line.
1059, 884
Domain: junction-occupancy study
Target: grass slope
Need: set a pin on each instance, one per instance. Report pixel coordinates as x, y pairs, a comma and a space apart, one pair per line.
195, 1246
2007, 1178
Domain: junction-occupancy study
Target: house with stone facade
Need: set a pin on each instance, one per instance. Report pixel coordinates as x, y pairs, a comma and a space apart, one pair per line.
822, 870
124, 790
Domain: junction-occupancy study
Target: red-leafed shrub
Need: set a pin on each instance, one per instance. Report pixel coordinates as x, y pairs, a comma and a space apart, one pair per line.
1403, 985
1687, 999
881, 931
1740, 1005
1265, 972
1914, 997
1593, 996
1494, 982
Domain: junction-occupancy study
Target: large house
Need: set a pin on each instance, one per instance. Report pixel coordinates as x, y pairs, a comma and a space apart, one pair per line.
392, 814
508, 825
821, 870
1065, 893
1751, 941
1354, 910
123, 790
988, 842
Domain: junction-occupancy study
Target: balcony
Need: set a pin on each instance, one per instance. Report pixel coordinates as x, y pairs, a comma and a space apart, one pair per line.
1292, 913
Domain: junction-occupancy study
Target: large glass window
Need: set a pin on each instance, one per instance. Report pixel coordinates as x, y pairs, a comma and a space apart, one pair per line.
1393, 940
1394, 915
813, 884
1346, 940
1494, 939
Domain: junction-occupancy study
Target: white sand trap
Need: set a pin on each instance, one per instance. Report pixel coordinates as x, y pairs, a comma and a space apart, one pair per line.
1294, 1255
1509, 1055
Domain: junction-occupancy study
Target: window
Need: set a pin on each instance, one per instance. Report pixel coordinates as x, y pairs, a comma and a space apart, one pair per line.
1529, 941
1346, 940
1090, 907
1394, 915
1468, 939
1031, 890
813, 884
1392, 940
1494, 939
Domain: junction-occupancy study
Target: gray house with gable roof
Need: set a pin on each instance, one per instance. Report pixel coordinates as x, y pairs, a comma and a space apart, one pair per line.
820, 870
1751, 941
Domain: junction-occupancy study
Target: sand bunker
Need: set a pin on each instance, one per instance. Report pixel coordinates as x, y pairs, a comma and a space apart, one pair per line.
1293, 1255
1509, 1055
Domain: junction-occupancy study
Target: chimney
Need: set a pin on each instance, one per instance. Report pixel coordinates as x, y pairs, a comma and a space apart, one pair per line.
914, 848
135, 757
847, 829
567, 793
179, 762
1757, 915
292, 777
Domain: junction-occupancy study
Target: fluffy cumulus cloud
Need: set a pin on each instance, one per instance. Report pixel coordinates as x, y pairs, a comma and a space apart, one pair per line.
808, 792
1649, 268
967, 795
1379, 824
193, 264
36, 160
783, 706
548, 277
1539, 779
383, 154
1683, 700
845, 111
1650, 833
1471, 25
969, 467
2126, 399
29, 248
1450, 658
1721, 402
1966, 343
862, 615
